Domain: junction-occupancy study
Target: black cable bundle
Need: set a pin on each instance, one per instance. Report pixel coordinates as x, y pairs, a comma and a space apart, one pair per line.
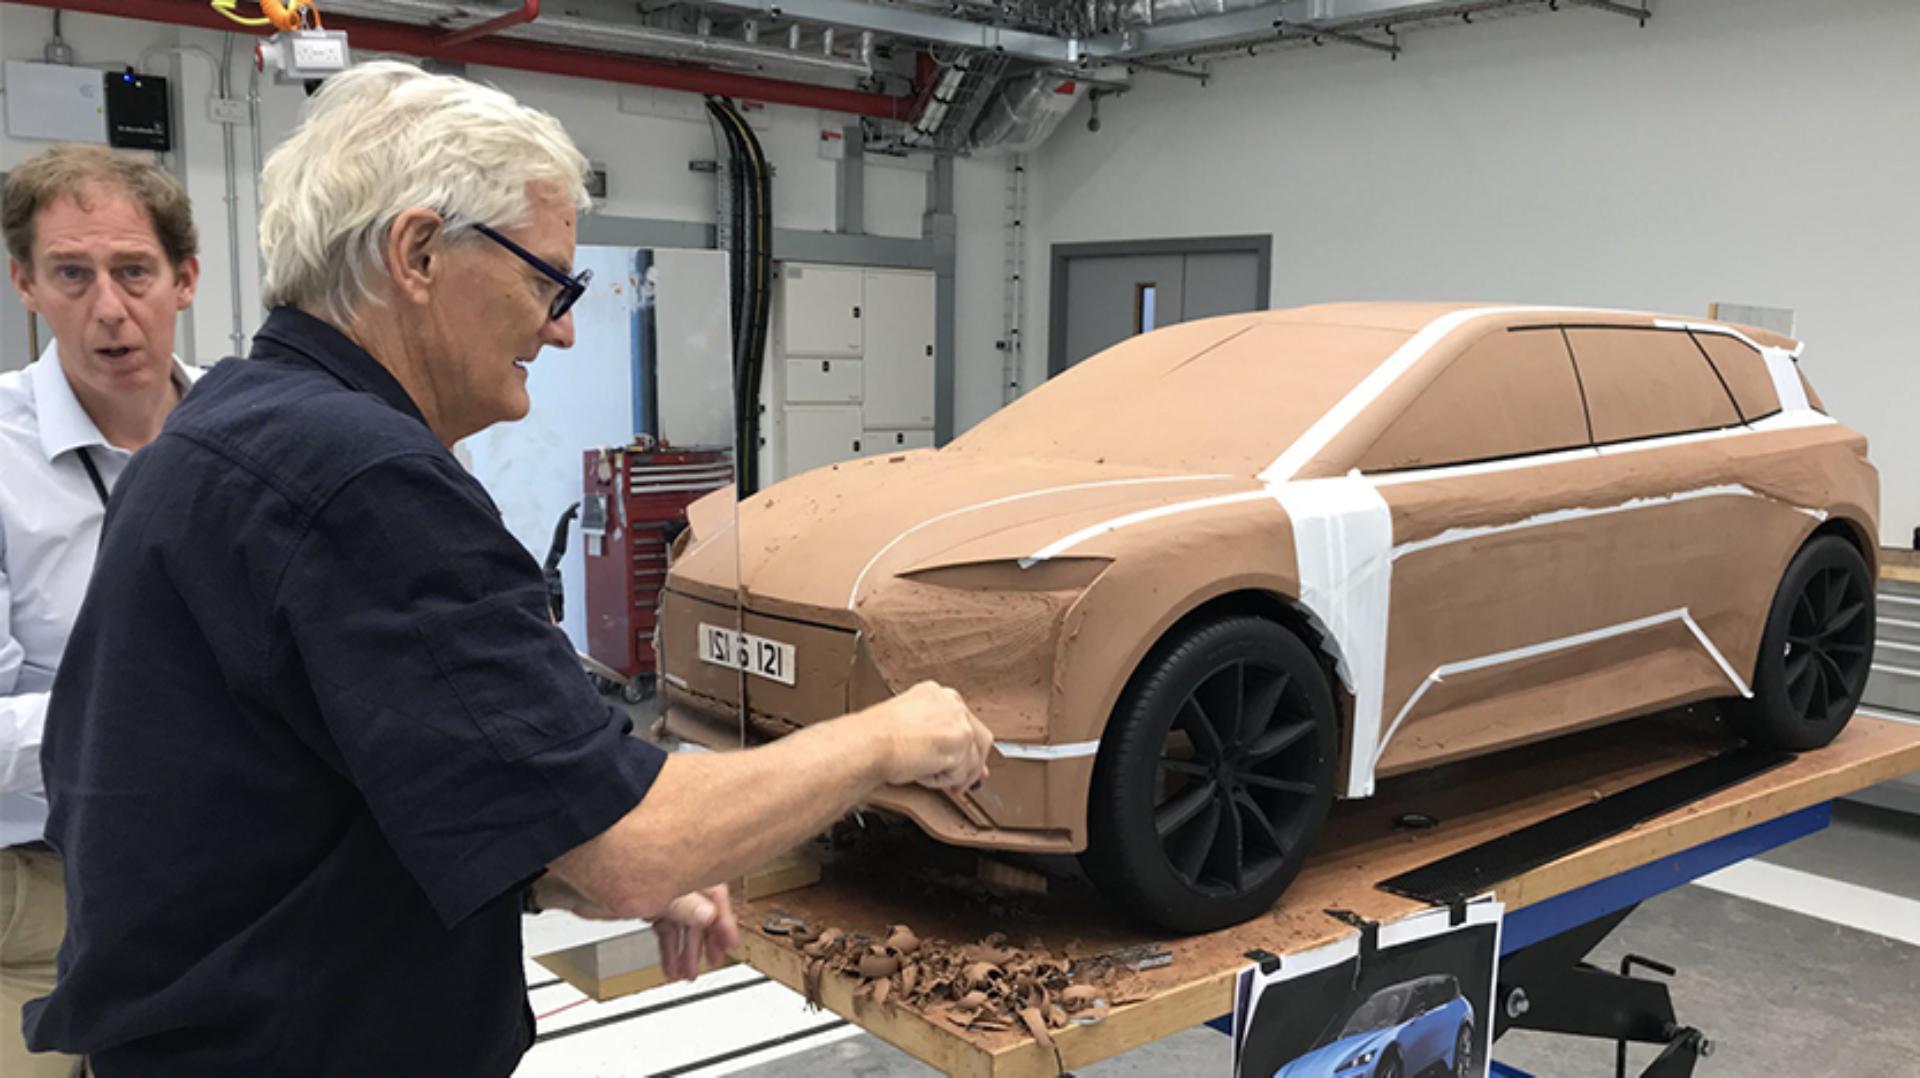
751, 273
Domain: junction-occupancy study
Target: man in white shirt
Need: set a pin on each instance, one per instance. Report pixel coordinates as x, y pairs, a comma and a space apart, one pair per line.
103, 249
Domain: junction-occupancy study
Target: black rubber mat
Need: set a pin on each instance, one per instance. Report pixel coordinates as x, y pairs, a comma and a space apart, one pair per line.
1473, 871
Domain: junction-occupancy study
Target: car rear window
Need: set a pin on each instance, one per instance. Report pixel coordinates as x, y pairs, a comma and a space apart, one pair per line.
1646, 383
1744, 371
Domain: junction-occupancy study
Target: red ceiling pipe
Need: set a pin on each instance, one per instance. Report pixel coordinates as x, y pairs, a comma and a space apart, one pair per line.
526, 56
529, 11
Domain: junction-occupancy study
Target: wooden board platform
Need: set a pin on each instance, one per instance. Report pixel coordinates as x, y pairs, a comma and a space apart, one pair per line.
1474, 801
1903, 565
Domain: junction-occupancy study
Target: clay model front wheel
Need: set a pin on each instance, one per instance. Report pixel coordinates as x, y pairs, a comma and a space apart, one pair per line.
1214, 777
1815, 653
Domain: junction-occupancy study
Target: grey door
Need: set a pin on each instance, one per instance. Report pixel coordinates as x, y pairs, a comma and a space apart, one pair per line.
1104, 293
1112, 298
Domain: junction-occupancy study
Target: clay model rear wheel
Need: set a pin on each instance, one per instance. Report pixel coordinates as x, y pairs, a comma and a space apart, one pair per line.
1816, 652
1215, 776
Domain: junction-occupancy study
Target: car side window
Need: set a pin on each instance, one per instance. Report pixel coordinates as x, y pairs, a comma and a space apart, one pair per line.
1420, 1000
1645, 383
1743, 370
1511, 393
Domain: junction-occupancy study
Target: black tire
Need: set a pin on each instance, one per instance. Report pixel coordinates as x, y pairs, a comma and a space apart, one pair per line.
1815, 653
1196, 820
1389, 1066
1463, 1052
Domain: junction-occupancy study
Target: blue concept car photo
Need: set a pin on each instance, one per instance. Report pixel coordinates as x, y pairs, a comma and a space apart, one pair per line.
1412, 1029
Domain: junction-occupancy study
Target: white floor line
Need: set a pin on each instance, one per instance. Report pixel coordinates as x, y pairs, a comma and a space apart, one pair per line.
818, 1040
1833, 901
1872, 713
639, 1044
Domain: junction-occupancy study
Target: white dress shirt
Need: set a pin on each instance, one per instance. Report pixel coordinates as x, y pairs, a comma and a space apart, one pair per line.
50, 516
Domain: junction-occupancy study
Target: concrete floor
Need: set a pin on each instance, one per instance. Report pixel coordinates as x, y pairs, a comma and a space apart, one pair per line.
1779, 992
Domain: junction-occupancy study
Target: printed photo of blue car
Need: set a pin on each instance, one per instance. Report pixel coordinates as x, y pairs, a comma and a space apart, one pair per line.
1414, 1029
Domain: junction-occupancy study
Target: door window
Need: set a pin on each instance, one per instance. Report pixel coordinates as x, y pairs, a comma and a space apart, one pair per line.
1511, 393
1646, 383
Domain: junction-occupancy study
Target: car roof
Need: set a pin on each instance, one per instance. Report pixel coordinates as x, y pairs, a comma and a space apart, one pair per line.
1155, 400
1411, 317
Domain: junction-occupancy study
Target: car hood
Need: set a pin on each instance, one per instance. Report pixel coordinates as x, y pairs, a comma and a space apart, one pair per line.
1321, 1061
814, 545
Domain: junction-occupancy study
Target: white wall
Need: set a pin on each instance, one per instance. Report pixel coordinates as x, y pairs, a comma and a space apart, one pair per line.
1752, 151
646, 154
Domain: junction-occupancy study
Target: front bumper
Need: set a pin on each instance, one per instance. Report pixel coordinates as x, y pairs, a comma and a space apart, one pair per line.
1016, 789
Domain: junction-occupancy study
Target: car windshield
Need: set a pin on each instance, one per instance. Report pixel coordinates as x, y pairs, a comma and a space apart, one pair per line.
1222, 395
1383, 1009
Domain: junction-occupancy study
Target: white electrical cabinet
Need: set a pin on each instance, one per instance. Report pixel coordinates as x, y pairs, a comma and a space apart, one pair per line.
821, 434
851, 366
822, 310
899, 351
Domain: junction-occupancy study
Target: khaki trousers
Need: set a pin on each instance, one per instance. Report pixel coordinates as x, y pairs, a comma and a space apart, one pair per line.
33, 918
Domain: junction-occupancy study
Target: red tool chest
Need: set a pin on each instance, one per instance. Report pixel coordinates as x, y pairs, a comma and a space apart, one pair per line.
635, 503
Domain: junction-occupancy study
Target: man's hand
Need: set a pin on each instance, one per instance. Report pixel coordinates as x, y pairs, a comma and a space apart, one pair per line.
696, 925
929, 736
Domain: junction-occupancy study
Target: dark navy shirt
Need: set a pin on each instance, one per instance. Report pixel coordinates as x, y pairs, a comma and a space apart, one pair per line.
311, 737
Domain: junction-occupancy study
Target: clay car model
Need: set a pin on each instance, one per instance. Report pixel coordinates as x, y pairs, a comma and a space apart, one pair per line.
1419, 1027
1222, 573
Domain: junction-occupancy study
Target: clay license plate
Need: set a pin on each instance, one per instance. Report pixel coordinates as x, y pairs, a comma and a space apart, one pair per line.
756, 655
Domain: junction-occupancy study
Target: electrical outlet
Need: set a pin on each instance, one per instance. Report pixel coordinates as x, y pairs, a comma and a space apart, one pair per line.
226, 110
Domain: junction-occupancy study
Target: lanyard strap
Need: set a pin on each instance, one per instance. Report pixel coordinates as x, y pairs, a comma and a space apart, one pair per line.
93, 473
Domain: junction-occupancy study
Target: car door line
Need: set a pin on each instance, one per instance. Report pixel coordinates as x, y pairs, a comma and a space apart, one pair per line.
1547, 647
854, 594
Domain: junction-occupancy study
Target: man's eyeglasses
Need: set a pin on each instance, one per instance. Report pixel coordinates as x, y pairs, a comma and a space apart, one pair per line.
571, 288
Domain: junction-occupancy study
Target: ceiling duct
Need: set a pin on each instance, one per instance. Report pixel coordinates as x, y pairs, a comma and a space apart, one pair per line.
1025, 111
704, 47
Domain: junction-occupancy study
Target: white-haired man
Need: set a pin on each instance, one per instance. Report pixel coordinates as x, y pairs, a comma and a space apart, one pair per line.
314, 736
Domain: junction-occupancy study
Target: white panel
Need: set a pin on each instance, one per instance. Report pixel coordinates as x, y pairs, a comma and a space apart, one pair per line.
824, 381
822, 310
894, 441
821, 434
899, 317
694, 335
52, 101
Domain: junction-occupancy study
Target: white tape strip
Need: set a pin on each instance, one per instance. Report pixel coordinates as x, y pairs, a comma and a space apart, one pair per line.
1343, 540
1561, 516
1015, 751
1048, 492
1061, 546
1592, 636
